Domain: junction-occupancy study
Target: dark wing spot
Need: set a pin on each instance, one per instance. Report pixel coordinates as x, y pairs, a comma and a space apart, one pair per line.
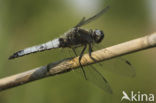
128, 62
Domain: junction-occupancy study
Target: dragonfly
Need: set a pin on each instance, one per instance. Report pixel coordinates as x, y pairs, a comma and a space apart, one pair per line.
73, 39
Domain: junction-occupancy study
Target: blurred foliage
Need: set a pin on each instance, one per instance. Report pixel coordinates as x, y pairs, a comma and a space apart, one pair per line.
24, 23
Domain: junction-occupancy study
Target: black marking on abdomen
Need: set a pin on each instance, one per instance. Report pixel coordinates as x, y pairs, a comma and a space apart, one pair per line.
15, 55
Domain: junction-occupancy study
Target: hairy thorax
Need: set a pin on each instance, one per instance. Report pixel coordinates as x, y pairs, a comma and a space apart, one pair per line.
75, 38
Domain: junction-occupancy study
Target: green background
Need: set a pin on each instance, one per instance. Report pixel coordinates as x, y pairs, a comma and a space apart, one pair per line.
25, 23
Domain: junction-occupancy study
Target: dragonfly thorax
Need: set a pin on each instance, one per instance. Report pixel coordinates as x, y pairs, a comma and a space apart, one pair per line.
97, 35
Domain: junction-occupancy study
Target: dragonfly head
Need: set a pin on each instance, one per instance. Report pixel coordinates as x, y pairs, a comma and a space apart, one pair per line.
98, 35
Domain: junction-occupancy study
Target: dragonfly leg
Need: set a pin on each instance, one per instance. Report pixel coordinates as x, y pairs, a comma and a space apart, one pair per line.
80, 57
90, 53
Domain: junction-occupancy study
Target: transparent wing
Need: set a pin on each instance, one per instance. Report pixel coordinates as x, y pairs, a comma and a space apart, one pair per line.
118, 65
83, 21
94, 76
67, 52
97, 78
52, 55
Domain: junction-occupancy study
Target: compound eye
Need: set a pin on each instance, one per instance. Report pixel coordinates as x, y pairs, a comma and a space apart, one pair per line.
98, 36
98, 32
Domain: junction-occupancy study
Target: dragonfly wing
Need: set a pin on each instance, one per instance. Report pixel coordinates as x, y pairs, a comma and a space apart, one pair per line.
118, 65
94, 76
83, 21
